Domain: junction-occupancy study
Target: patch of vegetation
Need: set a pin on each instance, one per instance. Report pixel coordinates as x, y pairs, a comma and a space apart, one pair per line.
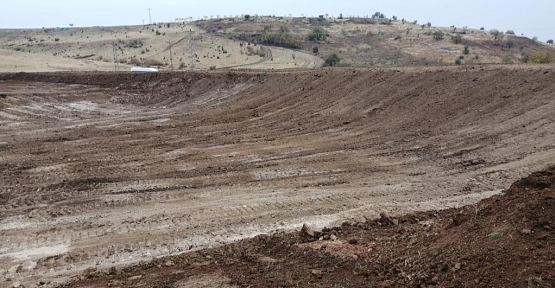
550, 41
315, 50
466, 50
317, 34
458, 61
332, 60
539, 57
281, 38
497, 35
458, 39
438, 35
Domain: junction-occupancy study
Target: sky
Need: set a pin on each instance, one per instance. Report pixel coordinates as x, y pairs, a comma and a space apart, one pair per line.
528, 17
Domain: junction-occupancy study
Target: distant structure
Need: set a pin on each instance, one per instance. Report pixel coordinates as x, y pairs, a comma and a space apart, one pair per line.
192, 48
149, 17
116, 60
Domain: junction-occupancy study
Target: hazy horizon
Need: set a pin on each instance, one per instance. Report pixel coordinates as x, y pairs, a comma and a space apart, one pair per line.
532, 18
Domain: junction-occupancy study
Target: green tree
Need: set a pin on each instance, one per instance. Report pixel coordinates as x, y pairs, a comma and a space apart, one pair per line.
332, 60
247, 17
315, 50
550, 41
317, 35
496, 34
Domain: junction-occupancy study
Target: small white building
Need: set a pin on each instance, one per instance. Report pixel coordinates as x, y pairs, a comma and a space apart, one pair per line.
143, 69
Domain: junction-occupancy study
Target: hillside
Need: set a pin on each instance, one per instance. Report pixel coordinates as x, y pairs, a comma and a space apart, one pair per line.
232, 43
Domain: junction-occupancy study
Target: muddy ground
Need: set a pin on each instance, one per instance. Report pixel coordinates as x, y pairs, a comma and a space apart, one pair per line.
101, 170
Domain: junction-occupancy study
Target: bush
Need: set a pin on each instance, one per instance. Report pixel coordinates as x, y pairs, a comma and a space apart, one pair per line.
457, 39
539, 57
509, 44
507, 60
458, 61
496, 34
550, 41
158, 32
482, 28
466, 50
332, 60
317, 35
315, 50
281, 38
247, 17
438, 35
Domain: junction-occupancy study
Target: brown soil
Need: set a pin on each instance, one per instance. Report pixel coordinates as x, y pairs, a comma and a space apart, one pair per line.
503, 241
102, 169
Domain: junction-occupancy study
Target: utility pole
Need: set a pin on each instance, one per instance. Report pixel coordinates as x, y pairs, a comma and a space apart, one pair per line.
116, 60
143, 22
149, 16
171, 55
192, 49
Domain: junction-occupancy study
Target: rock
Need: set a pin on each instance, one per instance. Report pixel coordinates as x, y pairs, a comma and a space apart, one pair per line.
42, 283
307, 231
395, 222
16, 285
266, 259
457, 266
317, 273
169, 263
333, 238
525, 231
385, 220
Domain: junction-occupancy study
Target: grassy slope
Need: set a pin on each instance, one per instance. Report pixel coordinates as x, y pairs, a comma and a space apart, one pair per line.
359, 42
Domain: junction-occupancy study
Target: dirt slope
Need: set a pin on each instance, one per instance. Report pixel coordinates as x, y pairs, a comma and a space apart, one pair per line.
504, 241
103, 169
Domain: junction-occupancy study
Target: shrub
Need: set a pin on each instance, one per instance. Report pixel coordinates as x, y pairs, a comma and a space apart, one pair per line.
212, 68
510, 32
247, 17
438, 35
550, 41
317, 35
458, 61
315, 50
509, 44
496, 34
466, 50
332, 60
461, 57
457, 39
341, 16
482, 28
507, 60
158, 32
539, 57
281, 38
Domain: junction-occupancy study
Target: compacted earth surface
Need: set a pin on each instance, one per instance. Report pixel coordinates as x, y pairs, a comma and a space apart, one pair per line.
108, 178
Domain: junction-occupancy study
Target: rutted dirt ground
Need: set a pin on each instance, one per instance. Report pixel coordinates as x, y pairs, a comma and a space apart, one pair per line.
108, 169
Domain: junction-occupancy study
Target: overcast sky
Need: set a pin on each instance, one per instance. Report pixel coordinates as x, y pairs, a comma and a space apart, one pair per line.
531, 17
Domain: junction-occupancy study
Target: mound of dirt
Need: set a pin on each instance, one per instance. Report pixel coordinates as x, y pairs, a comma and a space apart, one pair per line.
503, 241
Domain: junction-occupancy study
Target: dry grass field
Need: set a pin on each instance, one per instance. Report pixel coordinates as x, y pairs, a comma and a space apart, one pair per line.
231, 43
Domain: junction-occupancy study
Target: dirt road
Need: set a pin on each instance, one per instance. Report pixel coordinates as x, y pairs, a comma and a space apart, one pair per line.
108, 169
